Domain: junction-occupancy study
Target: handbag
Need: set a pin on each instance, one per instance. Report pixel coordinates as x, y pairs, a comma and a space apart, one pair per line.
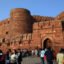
45, 60
44, 57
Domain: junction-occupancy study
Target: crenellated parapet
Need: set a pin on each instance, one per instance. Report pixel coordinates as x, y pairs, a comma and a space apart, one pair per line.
42, 18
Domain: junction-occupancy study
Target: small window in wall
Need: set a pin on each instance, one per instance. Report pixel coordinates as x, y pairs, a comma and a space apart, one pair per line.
7, 32
62, 25
8, 44
20, 42
0, 44
3, 40
8, 22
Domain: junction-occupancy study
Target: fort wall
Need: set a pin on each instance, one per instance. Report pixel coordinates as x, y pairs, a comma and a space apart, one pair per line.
22, 30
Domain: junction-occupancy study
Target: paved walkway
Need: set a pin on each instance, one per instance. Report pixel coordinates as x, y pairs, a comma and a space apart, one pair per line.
31, 60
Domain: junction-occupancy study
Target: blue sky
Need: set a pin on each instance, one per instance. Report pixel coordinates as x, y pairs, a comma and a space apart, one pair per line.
37, 7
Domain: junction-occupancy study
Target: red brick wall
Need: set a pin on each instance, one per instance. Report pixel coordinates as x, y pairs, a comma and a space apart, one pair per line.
29, 32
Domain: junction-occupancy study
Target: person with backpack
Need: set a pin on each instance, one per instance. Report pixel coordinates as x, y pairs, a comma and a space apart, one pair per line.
49, 55
7, 57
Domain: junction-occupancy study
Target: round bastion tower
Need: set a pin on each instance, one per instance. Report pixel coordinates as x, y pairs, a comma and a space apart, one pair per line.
22, 20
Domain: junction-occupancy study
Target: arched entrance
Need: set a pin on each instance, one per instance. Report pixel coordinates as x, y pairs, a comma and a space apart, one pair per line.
47, 43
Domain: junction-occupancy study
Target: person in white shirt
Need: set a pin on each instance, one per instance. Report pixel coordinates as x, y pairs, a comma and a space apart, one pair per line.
32, 52
13, 57
36, 52
42, 53
60, 57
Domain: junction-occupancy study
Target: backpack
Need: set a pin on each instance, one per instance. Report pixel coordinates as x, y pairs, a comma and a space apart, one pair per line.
49, 55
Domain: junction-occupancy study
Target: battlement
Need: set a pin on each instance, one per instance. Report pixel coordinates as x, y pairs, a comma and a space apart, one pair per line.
42, 18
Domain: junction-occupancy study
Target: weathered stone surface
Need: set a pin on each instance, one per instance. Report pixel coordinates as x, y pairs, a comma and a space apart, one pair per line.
22, 30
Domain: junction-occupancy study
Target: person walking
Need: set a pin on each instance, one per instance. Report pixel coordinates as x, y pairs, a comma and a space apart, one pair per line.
19, 56
2, 57
32, 52
13, 58
7, 57
36, 52
42, 53
60, 57
49, 55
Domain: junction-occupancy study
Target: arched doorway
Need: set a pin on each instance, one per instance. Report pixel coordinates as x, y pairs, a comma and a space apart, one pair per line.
47, 43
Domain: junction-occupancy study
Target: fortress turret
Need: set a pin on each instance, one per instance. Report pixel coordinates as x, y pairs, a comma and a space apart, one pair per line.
23, 20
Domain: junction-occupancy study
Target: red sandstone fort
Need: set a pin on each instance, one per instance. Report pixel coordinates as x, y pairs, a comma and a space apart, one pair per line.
29, 32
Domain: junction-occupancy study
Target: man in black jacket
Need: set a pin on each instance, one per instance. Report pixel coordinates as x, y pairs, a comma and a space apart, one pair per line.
19, 56
49, 55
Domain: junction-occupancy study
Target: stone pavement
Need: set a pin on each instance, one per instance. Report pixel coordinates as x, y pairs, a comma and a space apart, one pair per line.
31, 60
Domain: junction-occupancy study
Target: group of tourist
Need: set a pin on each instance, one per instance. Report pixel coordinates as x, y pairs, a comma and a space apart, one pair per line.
11, 57
48, 56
